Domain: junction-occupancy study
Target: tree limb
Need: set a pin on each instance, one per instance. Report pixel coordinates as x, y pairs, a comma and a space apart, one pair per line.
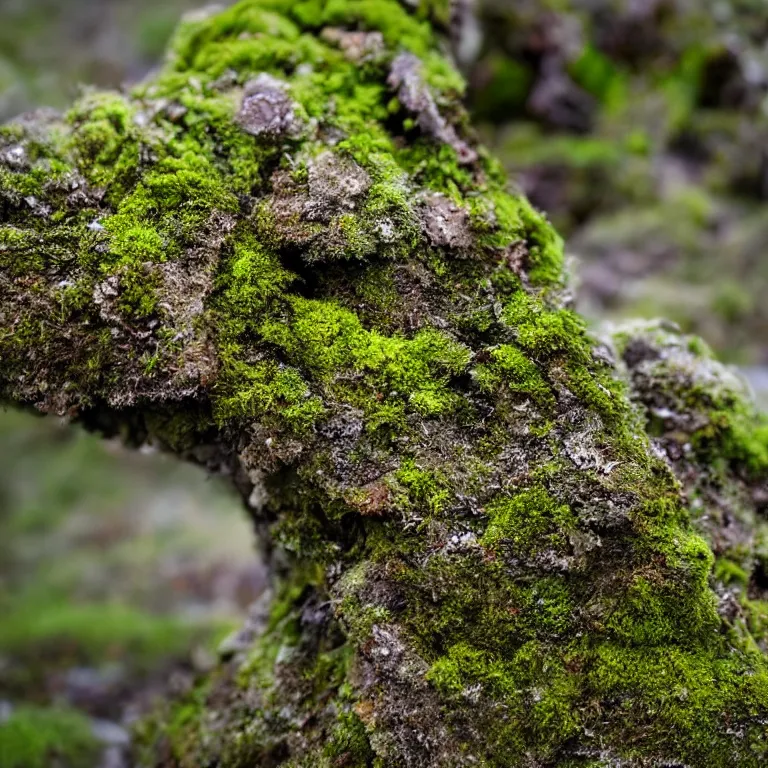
286, 257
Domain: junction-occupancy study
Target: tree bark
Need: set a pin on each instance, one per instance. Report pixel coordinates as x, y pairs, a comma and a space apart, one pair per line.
285, 257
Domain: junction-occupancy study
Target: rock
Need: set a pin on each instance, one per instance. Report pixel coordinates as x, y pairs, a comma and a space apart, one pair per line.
406, 79
267, 109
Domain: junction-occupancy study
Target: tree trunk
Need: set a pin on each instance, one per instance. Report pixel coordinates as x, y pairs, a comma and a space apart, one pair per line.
286, 258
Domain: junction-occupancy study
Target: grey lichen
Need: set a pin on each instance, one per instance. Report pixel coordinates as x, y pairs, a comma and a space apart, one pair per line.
267, 109
407, 80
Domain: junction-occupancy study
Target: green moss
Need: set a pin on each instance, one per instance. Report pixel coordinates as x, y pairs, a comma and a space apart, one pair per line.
601, 391
394, 425
105, 142
36, 737
545, 248
511, 369
329, 342
178, 196
744, 438
436, 168
349, 743
180, 727
275, 390
529, 520
728, 572
544, 333
89, 632
18, 252
282, 633
684, 690
652, 614
730, 428
214, 46
544, 721
426, 489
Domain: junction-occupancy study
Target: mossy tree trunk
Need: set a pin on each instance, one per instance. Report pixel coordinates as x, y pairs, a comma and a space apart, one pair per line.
285, 257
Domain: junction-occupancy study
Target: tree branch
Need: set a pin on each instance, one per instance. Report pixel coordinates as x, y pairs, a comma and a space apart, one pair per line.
286, 257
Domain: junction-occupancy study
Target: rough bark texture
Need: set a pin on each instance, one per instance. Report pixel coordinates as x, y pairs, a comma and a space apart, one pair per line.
285, 257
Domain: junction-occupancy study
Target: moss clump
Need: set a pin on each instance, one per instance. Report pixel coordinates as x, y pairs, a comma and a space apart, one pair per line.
530, 517
720, 420
509, 368
550, 718
35, 737
688, 688
330, 343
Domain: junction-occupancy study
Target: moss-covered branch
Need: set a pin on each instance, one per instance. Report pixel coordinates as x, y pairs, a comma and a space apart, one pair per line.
286, 257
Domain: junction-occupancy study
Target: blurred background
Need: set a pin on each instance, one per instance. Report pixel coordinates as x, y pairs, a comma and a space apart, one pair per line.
639, 126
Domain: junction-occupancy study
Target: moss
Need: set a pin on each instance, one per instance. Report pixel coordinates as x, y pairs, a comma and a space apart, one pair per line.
728, 572
511, 369
546, 253
544, 333
349, 743
652, 614
744, 438
267, 390
18, 252
684, 690
456, 477
328, 342
88, 632
178, 196
730, 430
35, 737
550, 717
181, 729
436, 168
607, 396
529, 520
426, 489
105, 141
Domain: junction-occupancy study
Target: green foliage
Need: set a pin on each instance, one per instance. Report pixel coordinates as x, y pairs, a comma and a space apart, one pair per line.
37, 737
